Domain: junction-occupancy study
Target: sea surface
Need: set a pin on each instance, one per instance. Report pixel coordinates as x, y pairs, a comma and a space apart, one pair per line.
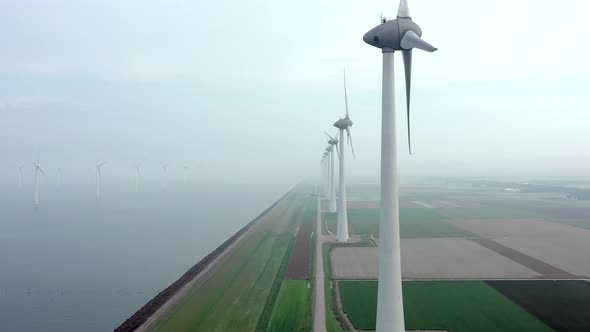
78, 264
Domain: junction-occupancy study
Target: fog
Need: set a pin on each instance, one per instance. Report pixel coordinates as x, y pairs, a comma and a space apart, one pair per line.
245, 89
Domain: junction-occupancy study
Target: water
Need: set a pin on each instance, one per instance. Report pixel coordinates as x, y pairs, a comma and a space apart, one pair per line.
76, 264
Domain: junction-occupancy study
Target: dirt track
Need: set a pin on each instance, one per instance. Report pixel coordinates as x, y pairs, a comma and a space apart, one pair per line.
301, 255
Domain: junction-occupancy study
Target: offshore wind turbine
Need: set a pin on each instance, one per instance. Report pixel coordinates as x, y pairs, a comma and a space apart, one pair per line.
333, 145
401, 34
164, 176
20, 176
98, 175
138, 176
37, 170
186, 168
343, 124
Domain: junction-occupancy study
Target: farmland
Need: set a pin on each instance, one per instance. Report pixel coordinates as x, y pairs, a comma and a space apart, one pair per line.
563, 305
414, 223
458, 306
289, 310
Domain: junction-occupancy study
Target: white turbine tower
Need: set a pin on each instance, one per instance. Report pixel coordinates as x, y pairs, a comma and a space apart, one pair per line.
328, 171
325, 176
186, 168
98, 175
138, 176
37, 170
164, 176
332, 191
20, 176
401, 34
343, 125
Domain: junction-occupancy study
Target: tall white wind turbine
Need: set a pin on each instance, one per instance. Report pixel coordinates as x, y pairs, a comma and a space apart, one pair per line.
164, 176
328, 171
186, 168
325, 174
98, 176
20, 176
37, 170
343, 124
332, 191
138, 176
401, 34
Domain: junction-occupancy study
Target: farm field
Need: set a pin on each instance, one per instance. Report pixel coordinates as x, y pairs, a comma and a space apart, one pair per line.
437, 258
562, 246
235, 297
289, 310
414, 223
458, 306
563, 305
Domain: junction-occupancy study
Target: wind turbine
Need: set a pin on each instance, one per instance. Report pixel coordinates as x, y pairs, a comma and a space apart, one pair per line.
332, 191
138, 176
343, 125
164, 176
98, 175
20, 176
325, 172
37, 170
186, 168
401, 34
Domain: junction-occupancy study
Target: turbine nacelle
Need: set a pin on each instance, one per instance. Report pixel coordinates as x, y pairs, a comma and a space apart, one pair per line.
343, 123
389, 35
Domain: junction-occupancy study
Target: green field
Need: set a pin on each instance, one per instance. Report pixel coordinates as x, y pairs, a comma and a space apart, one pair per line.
457, 306
288, 314
235, 297
563, 305
414, 223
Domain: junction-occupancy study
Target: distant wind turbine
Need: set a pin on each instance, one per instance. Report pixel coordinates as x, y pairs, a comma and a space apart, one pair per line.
401, 34
37, 170
138, 176
343, 125
186, 168
164, 176
59, 177
20, 176
98, 176
332, 194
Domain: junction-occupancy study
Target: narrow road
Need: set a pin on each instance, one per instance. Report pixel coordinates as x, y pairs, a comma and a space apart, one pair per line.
319, 320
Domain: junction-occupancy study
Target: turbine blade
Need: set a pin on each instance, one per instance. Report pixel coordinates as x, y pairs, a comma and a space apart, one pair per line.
412, 40
337, 150
330, 137
407, 55
345, 96
41, 170
403, 10
350, 141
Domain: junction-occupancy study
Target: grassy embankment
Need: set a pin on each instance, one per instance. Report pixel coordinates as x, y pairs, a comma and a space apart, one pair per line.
236, 292
458, 306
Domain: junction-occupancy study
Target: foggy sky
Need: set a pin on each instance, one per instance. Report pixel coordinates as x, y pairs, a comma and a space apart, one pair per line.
249, 86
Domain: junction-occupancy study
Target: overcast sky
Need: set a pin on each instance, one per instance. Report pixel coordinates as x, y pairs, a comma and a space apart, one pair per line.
217, 84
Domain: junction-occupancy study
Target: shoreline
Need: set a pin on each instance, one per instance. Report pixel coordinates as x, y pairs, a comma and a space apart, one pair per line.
169, 294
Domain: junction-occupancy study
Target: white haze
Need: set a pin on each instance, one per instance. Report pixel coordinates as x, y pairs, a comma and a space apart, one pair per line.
248, 87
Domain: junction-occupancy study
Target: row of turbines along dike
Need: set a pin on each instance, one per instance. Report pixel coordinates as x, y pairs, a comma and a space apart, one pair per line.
38, 169
400, 34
